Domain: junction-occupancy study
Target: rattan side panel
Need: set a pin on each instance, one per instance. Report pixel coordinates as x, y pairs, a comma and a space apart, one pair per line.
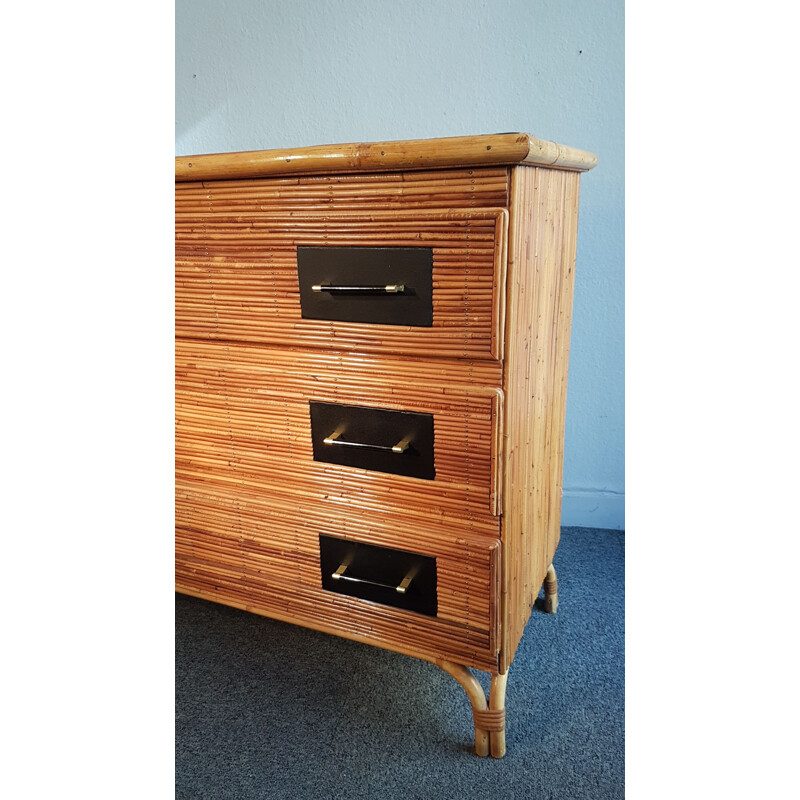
542, 243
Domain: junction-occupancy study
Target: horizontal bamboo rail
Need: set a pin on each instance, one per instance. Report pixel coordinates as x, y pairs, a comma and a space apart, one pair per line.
456, 151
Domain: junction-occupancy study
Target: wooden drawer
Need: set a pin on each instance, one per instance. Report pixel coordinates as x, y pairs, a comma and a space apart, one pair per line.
273, 566
237, 279
244, 418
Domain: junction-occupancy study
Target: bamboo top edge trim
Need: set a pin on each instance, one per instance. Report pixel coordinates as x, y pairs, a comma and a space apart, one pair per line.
450, 152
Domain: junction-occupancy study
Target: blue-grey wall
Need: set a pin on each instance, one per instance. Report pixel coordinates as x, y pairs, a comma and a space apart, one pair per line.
257, 74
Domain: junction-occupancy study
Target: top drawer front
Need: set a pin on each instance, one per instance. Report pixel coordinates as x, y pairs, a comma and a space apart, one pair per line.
237, 277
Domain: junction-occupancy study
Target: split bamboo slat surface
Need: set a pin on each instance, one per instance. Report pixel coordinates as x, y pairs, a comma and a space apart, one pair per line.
500, 216
243, 417
276, 573
236, 275
437, 190
541, 279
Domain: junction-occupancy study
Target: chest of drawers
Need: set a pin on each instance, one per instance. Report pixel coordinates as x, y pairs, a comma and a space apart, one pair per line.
371, 363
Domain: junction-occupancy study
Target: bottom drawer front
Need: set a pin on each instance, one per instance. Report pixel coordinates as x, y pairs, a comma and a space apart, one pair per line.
397, 578
254, 553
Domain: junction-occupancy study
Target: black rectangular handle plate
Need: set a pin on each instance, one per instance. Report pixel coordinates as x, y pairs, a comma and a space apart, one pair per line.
380, 285
376, 573
377, 439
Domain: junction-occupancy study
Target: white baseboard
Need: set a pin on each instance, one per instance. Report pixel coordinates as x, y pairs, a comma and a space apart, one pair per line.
593, 509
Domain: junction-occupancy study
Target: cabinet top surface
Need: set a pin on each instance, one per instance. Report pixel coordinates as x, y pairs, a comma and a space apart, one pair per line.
457, 151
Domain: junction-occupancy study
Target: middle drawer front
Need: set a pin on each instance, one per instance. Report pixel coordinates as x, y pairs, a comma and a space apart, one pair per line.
259, 417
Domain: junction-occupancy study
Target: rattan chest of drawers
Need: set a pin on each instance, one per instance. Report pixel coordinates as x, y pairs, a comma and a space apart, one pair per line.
371, 364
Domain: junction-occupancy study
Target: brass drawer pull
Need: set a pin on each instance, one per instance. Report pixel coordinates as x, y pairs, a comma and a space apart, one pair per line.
391, 288
400, 447
340, 575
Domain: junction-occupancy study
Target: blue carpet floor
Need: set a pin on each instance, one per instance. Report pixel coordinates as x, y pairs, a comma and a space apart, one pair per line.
269, 710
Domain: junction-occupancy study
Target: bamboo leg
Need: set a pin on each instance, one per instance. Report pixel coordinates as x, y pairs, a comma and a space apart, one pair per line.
551, 591
476, 696
490, 719
497, 702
